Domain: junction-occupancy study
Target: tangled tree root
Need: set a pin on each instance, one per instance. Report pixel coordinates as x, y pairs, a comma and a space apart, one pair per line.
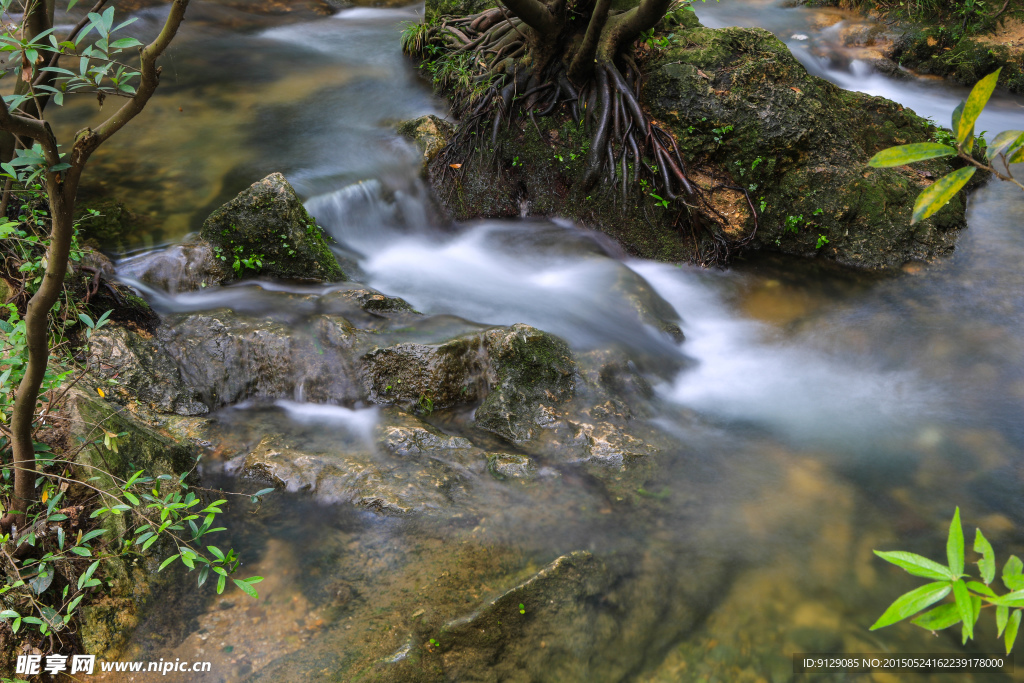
501, 69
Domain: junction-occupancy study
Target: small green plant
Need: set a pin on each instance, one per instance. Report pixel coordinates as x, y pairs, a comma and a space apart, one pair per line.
522, 608
969, 596
426, 404
720, 133
1007, 147
822, 241
660, 201
516, 162
792, 223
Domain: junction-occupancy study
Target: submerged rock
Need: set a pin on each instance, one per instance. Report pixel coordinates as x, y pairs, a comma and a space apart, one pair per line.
430, 134
406, 469
266, 230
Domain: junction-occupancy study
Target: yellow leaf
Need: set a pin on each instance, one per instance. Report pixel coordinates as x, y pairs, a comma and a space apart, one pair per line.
938, 194
455, 165
46, 494
100, 392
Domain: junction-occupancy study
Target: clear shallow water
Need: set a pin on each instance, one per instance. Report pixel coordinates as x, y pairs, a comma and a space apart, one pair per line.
826, 414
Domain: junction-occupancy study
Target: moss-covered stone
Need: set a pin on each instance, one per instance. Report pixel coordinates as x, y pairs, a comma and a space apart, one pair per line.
746, 114
531, 370
436, 9
107, 621
112, 227
737, 97
266, 230
939, 51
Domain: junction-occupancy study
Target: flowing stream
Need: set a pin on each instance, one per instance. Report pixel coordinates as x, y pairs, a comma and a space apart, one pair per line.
816, 413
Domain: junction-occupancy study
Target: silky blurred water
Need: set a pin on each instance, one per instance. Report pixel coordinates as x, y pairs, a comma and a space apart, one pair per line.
819, 413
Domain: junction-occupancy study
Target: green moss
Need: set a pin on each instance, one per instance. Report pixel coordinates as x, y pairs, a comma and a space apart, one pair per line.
267, 230
965, 60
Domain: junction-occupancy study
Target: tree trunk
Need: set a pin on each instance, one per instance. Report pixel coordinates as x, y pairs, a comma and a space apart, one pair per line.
62, 207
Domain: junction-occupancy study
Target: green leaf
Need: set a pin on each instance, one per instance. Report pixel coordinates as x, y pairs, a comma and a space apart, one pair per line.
221, 582
964, 606
976, 101
124, 43
957, 115
84, 552
939, 618
1013, 573
132, 498
937, 195
1011, 630
955, 545
908, 154
981, 588
1014, 599
172, 558
9, 614
1002, 614
913, 602
1005, 140
916, 565
249, 590
987, 563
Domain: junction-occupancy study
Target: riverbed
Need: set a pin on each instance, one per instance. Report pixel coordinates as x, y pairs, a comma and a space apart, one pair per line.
812, 414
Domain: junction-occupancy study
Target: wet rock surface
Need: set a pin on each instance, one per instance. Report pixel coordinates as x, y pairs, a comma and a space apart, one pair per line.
266, 230
429, 133
804, 143
747, 115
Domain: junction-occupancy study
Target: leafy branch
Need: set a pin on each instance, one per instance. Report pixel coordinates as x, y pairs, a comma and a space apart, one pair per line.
969, 596
1007, 147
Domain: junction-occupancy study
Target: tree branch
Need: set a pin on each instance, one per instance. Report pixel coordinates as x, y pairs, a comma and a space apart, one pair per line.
534, 14
583, 62
87, 140
628, 25
23, 126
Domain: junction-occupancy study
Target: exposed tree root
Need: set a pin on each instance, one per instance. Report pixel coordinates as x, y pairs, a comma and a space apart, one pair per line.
505, 66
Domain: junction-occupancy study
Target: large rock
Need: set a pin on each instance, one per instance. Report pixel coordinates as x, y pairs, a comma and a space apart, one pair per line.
140, 370
160, 445
227, 358
746, 115
737, 98
530, 372
267, 224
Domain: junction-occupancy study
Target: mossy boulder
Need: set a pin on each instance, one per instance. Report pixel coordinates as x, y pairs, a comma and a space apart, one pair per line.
747, 115
530, 371
738, 98
109, 224
267, 231
159, 447
938, 51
